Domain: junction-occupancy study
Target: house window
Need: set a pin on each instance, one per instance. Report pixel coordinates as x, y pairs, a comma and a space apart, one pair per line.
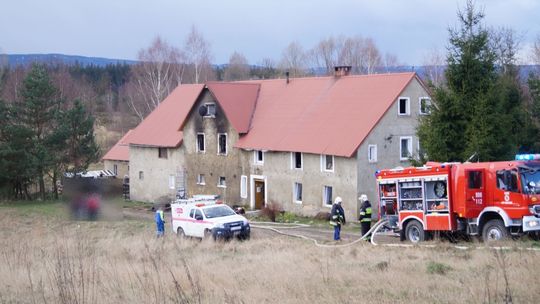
221, 182
405, 148
162, 152
171, 182
200, 179
141, 175
327, 196
297, 192
243, 186
115, 169
222, 144
404, 106
372, 153
210, 110
425, 105
296, 160
259, 157
200, 142
327, 163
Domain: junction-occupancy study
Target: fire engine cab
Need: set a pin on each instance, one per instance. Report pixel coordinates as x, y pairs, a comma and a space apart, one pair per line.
204, 217
490, 199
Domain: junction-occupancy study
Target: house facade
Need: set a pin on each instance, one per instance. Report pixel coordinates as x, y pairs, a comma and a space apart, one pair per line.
116, 159
297, 143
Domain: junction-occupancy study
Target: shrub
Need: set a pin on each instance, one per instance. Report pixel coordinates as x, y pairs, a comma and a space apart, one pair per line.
271, 211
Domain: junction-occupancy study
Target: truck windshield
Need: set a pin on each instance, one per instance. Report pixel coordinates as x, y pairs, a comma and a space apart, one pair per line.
218, 211
530, 179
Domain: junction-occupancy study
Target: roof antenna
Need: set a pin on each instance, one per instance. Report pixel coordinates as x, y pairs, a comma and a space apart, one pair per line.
287, 75
472, 157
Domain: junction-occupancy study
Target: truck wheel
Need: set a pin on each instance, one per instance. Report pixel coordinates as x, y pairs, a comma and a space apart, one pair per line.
180, 232
494, 230
414, 232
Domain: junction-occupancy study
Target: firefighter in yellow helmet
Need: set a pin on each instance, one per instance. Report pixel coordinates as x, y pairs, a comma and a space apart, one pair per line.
337, 218
365, 214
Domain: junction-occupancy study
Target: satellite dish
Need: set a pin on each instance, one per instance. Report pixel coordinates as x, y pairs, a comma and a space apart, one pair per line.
202, 110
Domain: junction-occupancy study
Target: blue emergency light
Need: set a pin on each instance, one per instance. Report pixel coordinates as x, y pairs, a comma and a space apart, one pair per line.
528, 157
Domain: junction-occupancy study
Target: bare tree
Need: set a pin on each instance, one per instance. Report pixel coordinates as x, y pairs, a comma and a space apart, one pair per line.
327, 53
506, 44
536, 51
293, 59
434, 63
266, 69
351, 53
238, 68
198, 55
12, 83
371, 56
159, 71
390, 61
3, 68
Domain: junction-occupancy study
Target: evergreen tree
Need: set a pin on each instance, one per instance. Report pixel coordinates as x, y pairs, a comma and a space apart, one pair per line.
479, 111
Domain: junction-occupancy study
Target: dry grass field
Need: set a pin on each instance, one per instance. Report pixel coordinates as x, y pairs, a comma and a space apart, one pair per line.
45, 258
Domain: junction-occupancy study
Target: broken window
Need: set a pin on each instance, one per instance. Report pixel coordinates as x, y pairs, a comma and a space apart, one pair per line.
200, 142
222, 144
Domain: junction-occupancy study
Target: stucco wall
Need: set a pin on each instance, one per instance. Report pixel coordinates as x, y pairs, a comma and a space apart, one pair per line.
280, 179
154, 186
386, 135
210, 163
122, 167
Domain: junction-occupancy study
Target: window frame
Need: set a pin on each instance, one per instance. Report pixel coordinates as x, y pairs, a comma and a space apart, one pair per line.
324, 193
372, 159
295, 193
208, 105
115, 169
163, 153
203, 143
201, 179
243, 186
407, 106
256, 160
324, 163
220, 184
172, 182
293, 161
409, 146
218, 144
420, 105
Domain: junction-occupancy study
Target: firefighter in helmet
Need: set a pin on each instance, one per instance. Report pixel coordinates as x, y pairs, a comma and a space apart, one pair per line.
337, 218
365, 214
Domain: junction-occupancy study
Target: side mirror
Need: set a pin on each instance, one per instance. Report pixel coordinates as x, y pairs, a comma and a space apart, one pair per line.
198, 217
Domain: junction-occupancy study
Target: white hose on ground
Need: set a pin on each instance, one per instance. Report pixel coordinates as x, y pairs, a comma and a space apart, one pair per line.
376, 226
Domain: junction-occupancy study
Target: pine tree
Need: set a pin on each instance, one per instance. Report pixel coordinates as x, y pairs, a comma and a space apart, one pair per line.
479, 112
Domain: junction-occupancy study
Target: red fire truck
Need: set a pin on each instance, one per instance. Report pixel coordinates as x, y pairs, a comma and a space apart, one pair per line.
491, 199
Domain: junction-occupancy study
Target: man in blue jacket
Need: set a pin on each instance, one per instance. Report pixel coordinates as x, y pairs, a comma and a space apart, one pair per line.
160, 222
337, 217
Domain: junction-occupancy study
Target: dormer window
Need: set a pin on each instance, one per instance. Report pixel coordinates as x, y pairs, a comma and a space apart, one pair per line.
210, 110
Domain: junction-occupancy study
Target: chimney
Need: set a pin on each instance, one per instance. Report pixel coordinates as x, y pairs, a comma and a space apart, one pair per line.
342, 70
287, 76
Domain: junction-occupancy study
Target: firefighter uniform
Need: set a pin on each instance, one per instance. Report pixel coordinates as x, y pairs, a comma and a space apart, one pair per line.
365, 216
337, 217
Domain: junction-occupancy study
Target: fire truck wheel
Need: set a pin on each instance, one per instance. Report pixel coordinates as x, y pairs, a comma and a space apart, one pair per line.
414, 232
494, 230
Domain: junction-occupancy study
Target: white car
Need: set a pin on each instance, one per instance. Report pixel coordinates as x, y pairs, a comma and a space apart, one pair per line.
205, 219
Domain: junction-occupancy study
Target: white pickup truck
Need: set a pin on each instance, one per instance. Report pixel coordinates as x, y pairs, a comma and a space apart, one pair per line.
208, 218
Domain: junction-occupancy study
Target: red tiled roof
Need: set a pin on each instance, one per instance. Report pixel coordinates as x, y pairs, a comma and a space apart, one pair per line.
237, 100
120, 151
323, 115
162, 127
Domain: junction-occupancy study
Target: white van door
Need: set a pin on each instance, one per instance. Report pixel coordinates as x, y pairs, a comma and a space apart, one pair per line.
198, 224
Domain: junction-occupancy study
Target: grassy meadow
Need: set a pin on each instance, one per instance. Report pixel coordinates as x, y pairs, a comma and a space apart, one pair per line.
46, 258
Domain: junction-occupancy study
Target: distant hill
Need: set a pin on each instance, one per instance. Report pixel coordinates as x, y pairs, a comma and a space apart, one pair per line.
26, 59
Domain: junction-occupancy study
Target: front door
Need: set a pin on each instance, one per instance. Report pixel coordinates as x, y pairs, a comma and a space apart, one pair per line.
475, 193
259, 194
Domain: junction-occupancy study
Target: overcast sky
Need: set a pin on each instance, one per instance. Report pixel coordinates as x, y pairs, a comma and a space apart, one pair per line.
256, 28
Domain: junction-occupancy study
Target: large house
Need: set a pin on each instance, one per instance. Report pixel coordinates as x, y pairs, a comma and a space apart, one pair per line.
297, 142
